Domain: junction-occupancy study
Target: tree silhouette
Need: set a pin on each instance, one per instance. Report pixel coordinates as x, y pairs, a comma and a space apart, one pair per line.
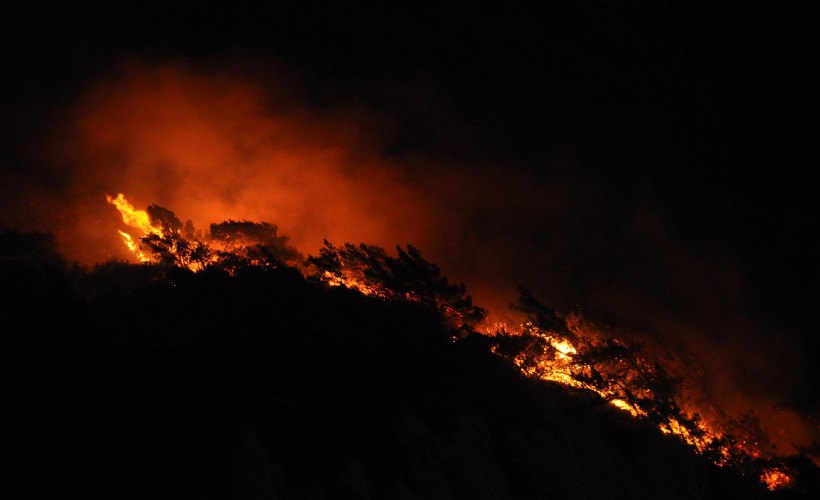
165, 383
174, 250
407, 276
231, 244
256, 240
616, 368
165, 219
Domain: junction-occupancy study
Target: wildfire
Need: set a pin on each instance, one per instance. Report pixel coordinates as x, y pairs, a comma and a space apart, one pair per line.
163, 238
569, 350
352, 283
583, 357
129, 242
775, 478
137, 219
555, 363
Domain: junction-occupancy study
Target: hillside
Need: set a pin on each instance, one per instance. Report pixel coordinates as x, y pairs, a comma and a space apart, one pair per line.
148, 381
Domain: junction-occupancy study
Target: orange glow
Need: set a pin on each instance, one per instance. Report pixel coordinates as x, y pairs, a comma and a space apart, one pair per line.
581, 356
215, 146
556, 364
129, 242
554, 357
141, 221
775, 479
563, 347
135, 219
219, 147
349, 281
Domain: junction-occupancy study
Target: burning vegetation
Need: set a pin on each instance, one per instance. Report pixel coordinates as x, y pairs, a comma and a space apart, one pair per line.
165, 239
630, 373
644, 380
232, 244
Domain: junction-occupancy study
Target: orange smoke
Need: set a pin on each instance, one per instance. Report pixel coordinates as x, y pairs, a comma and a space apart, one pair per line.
212, 146
218, 148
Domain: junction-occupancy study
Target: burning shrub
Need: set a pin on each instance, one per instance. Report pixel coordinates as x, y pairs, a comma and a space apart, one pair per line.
257, 242
408, 276
626, 373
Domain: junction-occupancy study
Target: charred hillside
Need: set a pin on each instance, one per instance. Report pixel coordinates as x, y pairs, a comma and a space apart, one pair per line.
152, 381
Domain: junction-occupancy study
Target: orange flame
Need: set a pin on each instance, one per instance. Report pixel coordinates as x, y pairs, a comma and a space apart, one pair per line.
137, 219
355, 284
557, 365
129, 242
775, 478
556, 361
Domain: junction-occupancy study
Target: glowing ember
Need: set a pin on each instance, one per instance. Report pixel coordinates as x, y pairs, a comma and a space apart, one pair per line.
348, 281
775, 479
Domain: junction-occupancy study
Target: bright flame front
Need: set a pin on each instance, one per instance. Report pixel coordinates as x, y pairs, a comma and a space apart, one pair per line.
624, 379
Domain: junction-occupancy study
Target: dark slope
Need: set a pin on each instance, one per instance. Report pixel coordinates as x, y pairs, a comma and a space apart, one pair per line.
128, 383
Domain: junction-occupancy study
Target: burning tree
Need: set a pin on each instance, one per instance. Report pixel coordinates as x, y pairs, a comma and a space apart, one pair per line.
170, 245
233, 244
631, 374
370, 270
245, 243
628, 374
229, 245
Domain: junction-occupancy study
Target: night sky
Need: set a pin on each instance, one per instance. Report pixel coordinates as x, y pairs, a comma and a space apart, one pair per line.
650, 164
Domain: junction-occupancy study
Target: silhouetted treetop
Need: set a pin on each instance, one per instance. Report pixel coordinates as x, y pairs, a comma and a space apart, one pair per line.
619, 369
228, 245
152, 381
235, 235
164, 219
539, 314
30, 247
407, 276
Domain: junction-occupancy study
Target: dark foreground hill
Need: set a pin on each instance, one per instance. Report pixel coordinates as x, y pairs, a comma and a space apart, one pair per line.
142, 382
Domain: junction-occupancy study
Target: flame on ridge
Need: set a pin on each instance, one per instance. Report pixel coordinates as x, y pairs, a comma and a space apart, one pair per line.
348, 281
557, 360
136, 219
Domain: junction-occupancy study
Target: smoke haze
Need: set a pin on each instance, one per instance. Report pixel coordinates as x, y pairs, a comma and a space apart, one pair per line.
215, 144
